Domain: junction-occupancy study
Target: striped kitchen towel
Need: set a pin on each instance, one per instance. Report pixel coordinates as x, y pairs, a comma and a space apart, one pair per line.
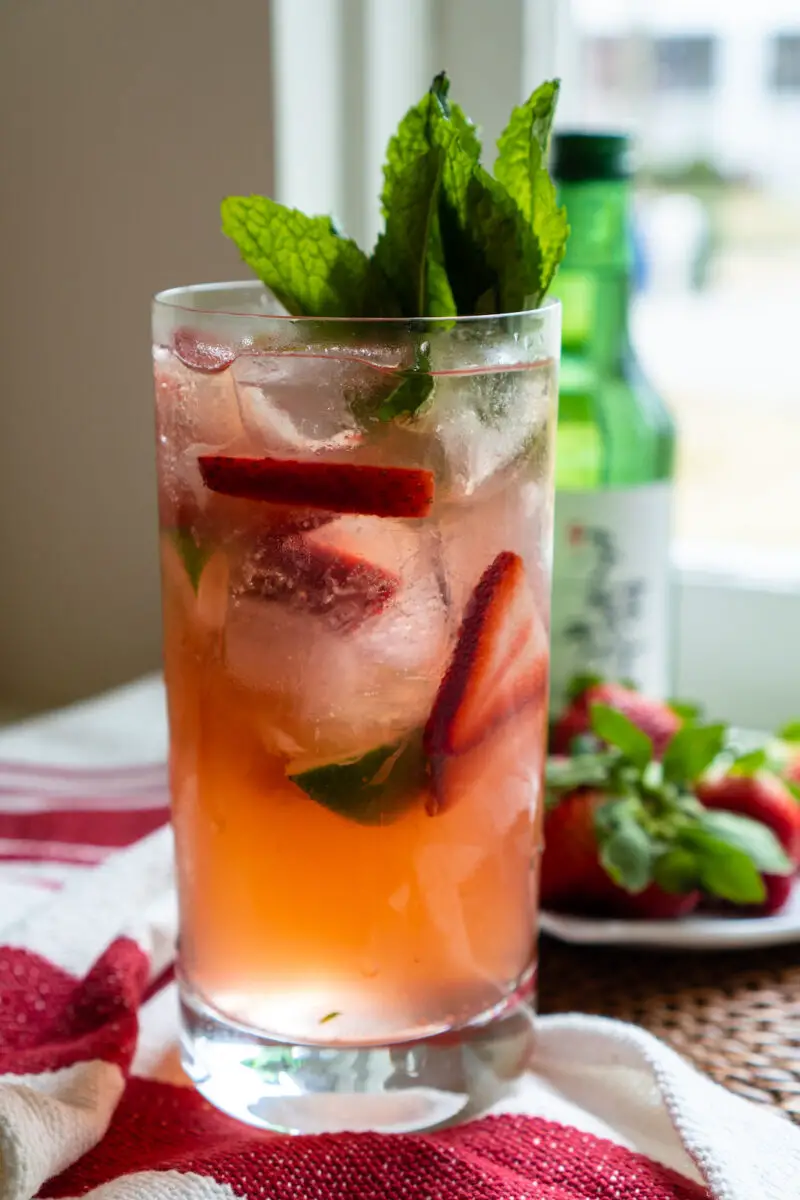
92, 1098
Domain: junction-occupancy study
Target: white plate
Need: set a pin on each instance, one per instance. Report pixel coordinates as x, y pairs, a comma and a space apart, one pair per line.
691, 933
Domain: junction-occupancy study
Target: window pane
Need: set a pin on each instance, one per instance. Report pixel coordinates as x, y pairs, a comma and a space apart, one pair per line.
786, 62
684, 63
715, 113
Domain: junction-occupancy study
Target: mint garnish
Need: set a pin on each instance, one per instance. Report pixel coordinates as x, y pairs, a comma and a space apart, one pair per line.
456, 242
305, 261
373, 789
194, 554
522, 169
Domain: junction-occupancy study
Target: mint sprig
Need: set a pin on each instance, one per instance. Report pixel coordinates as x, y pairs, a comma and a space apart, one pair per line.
457, 241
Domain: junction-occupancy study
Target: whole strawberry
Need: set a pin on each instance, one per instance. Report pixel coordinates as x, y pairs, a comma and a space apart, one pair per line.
574, 880
626, 836
653, 717
761, 796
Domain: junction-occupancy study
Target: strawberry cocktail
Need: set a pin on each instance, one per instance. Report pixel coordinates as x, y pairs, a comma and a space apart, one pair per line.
355, 547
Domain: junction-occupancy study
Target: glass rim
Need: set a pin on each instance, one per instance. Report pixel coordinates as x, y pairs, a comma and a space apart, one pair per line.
167, 298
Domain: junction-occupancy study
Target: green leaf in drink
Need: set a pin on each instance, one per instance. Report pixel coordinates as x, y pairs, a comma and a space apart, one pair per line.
413, 390
194, 554
373, 789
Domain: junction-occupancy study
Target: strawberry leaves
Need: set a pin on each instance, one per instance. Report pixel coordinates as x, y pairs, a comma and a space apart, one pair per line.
615, 728
652, 828
691, 751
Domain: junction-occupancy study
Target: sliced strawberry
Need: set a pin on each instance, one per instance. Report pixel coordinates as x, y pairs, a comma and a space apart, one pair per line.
199, 352
574, 880
320, 580
337, 487
499, 664
506, 766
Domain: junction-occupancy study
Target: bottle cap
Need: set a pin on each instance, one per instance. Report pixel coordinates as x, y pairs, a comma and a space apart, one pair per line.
580, 157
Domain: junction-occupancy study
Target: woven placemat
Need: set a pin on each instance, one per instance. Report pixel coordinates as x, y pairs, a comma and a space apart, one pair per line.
734, 1014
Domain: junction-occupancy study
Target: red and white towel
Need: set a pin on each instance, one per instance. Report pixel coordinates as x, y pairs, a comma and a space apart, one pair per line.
92, 1099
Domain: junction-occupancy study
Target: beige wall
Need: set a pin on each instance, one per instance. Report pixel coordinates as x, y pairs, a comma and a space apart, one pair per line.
122, 124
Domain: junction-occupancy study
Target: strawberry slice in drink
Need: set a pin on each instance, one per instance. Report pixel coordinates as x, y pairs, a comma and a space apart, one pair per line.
334, 486
499, 667
325, 581
200, 353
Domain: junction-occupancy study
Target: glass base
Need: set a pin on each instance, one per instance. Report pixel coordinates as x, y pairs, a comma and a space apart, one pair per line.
326, 1089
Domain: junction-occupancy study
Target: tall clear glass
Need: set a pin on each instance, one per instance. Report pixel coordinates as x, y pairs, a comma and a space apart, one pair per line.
356, 542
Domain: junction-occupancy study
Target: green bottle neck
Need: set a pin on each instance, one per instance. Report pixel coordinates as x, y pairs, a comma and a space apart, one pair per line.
593, 282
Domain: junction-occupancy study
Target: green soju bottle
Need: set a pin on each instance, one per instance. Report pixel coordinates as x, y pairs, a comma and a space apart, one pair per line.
615, 443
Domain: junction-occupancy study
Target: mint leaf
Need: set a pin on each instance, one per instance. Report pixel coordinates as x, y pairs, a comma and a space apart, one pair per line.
374, 789
691, 751
756, 840
677, 871
790, 732
407, 253
466, 131
627, 855
521, 168
194, 555
685, 709
309, 266
486, 245
414, 389
612, 727
723, 869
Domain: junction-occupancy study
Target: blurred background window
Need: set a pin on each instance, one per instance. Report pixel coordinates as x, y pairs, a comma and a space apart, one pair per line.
712, 92
684, 63
785, 76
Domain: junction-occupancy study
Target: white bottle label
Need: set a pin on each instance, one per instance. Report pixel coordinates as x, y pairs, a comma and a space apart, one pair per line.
611, 582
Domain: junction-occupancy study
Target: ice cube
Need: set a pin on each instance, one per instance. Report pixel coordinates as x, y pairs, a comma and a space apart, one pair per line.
193, 407
485, 419
306, 400
332, 692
